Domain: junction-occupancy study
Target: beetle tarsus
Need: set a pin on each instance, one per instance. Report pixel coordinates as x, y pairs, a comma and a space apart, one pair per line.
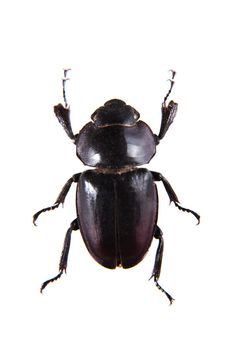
163, 291
197, 216
35, 216
50, 281
158, 234
171, 299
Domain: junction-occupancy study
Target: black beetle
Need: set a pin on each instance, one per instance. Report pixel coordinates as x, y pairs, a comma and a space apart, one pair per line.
117, 202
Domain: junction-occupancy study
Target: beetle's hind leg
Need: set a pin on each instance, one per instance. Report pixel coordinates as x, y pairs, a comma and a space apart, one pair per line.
74, 226
158, 262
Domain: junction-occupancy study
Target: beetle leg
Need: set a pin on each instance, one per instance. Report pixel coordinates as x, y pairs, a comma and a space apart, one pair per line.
172, 195
64, 255
60, 199
158, 262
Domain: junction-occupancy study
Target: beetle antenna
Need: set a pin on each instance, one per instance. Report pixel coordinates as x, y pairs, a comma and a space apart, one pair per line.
64, 80
63, 113
168, 111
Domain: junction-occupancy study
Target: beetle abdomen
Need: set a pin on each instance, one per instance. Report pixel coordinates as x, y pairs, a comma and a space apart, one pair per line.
117, 214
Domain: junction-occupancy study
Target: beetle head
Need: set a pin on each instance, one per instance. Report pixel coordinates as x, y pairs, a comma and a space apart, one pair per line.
115, 112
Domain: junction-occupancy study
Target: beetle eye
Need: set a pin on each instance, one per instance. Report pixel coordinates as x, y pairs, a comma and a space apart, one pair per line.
94, 115
136, 114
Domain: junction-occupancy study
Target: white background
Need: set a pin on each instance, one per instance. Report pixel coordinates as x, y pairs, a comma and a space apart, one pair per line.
117, 49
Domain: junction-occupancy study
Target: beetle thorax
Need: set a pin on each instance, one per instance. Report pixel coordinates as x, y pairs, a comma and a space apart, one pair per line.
115, 138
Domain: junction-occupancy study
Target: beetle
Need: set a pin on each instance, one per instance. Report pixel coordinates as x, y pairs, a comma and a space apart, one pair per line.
116, 202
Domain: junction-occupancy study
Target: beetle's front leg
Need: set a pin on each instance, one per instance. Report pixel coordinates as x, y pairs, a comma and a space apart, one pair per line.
158, 262
74, 226
60, 199
171, 194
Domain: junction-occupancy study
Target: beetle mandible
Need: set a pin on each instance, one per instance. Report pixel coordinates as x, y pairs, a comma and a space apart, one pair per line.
116, 202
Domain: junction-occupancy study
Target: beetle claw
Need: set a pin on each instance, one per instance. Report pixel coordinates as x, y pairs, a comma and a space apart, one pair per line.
151, 277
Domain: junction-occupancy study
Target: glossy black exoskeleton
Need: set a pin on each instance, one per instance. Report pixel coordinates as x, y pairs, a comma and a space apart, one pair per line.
117, 202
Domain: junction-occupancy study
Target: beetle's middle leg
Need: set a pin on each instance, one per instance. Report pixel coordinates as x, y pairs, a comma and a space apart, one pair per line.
158, 262
74, 226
